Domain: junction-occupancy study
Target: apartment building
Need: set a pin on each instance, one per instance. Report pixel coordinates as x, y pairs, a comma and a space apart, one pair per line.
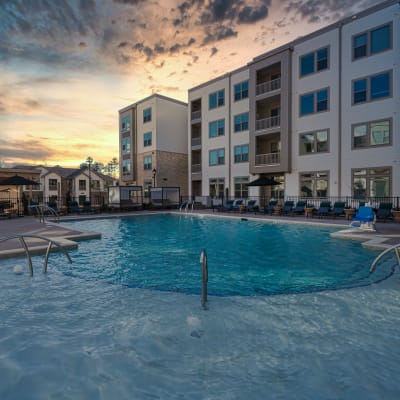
153, 143
320, 115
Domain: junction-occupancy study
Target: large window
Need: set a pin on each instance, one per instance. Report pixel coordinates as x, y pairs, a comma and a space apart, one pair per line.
216, 187
241, 187
82, 184
147, 115
241, 90
147, 139
241, 153
52, 184
126, 167
126, 145
147, 162
217, 99
125, 123
217, 157
371, 182
216, 128
314, 102
314, 142
314, 62
372, 42
314, 184
371, 134
95, 184
241, 122
372, 88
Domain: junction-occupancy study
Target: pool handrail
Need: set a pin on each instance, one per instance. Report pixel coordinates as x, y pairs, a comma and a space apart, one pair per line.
204, 278
396, 249
26, 248
40, 210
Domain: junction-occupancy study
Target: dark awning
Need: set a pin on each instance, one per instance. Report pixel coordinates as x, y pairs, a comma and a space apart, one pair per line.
17, 180
264, 181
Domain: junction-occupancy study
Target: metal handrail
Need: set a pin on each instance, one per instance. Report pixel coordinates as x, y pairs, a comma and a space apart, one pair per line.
396, 248
28, 255
204, 275
41, 208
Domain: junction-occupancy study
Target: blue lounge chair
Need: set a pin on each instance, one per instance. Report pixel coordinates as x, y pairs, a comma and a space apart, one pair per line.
287, 207
251, 206
299, 208
74, 207
338, 208
269, 209
237, 204
364, 219
227, 206
323, 209
87, 207
384, 211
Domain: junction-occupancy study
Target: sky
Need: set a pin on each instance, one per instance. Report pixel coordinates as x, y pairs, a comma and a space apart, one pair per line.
68, 66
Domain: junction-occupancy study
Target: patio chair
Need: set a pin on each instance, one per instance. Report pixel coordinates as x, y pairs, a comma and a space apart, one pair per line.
287, 207
87, 207
384, 211
338, 209
323, 209
73, 207
227, 206
364, 219
251, 206
269, 209
237, 205
299, 208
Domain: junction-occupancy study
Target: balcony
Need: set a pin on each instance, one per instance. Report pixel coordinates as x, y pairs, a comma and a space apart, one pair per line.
196, 141
268, 86
196, 168
268, 123
195, 115
268, 159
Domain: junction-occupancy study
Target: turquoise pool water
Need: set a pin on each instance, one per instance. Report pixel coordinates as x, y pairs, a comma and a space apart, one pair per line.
161, 252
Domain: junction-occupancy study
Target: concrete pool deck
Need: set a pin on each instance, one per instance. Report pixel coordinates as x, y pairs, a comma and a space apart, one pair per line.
386, 235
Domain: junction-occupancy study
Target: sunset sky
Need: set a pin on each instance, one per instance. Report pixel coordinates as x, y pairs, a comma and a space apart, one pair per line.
67, 67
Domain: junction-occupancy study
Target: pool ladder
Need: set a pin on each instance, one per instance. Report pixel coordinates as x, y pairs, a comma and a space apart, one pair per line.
204, 278
28, 254
396, 249
43, 210
185, 206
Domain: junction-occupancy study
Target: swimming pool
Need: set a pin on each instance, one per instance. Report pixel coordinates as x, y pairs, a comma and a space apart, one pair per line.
162, 252
68, 335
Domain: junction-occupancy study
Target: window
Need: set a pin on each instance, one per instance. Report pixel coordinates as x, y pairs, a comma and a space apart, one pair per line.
217, 157
241, 90
52, 184
82, 184
147, 115
126, 167
95, 184
217, 99
376, 133
147, 139
314, 184
241, 188
241, 122
125, 123
241, 153
372, 88
314, 102
314, 62
314, 142
372, 42
371, 182
216, 128
216, 187
147, 162
126, 145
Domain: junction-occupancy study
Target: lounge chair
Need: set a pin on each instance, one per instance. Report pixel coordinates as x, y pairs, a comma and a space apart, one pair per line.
227, 206
237, 205
251, 206
269, 209
364, 219
323, 209
299, 208
384, 211
338, 209
74, 207
87, 207
287, 207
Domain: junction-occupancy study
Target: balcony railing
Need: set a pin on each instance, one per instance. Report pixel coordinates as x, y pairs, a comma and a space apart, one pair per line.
196, 115
268, 159
196, 168
267, 123
269, 86
196, 141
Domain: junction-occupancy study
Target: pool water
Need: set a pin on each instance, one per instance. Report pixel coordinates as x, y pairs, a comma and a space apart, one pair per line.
162, 252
